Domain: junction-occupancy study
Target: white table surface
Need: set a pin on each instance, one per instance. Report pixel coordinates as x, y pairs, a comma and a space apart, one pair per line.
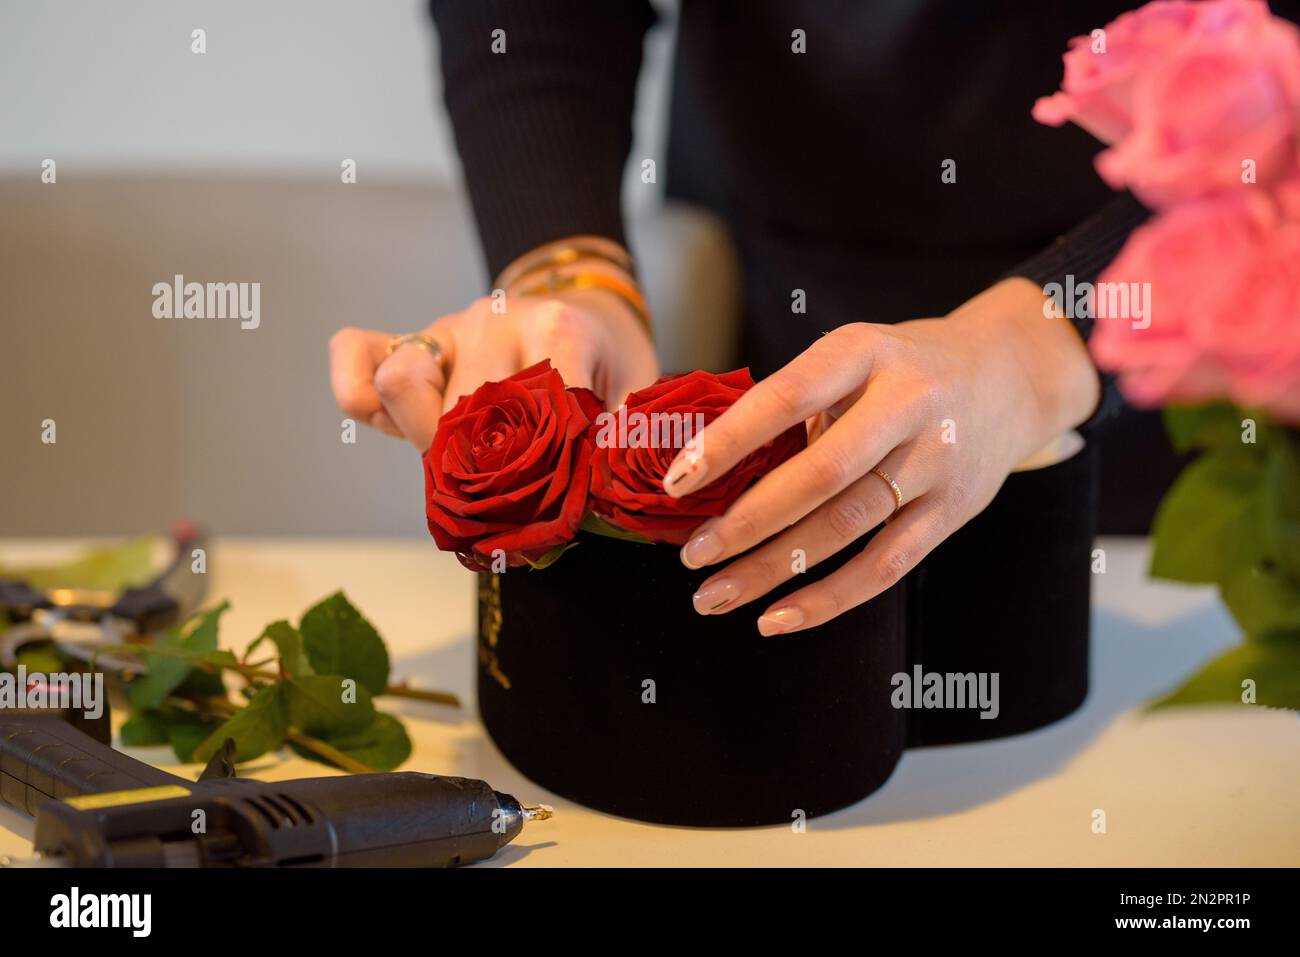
1202, 786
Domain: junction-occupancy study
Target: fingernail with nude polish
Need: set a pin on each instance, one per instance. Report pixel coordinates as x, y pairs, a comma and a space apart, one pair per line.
701, 550
716, 595
779, 621
686, 473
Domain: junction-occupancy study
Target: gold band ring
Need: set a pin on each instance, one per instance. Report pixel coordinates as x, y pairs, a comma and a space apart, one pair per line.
893, 487
416, 339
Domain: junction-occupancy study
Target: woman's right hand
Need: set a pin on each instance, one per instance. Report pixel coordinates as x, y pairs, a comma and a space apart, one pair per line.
590, 336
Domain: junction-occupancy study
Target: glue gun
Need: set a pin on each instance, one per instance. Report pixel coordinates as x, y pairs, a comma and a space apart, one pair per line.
97, 807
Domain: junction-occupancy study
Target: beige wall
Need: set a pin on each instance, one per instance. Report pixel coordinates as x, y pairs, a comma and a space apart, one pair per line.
162, 418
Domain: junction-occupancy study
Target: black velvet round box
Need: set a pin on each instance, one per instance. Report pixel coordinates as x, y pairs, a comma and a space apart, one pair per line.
735, 729
599, 681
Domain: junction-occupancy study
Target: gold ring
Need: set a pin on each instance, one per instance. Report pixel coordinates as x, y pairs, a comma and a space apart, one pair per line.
893, 487
415, 339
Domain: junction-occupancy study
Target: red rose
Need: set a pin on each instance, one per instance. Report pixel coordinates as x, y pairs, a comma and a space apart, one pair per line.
509, 468
635, 448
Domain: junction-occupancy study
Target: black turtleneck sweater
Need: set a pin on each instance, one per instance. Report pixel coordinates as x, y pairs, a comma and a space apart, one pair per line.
826, 164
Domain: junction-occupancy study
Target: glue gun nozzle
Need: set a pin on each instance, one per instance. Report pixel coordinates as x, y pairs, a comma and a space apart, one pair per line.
537, 812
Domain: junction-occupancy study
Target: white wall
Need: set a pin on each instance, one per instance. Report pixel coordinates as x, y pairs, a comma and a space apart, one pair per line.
285, 85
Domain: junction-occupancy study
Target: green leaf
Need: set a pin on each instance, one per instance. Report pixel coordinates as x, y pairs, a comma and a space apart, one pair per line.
1211, 522
144, 729
382, 745
166, 672
199, 684
1282, 500
339, 641
591, 522
288, 643
1261, 599
551, 557
203, 684
257, 728
182, 730
1273, 664
40, 658
317, 706
186, 736
221, 658
1203, 426
100, 569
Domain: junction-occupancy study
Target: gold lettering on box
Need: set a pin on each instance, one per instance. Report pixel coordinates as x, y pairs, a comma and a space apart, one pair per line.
489, 626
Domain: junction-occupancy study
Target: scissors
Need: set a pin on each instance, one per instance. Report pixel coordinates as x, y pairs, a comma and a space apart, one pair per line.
81, 622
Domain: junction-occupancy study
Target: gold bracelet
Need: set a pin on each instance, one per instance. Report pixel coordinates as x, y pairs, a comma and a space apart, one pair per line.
628, 292
564, 253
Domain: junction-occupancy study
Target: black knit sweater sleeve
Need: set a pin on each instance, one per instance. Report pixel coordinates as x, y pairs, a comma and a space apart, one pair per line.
540, 97
1083, 253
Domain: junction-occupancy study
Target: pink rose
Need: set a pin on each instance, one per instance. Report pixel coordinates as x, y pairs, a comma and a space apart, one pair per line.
1222, 97
1100, 73
1223, 307
1287, 197
1184, 93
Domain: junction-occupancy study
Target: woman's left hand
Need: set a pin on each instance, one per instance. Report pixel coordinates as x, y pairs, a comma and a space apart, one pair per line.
945, 407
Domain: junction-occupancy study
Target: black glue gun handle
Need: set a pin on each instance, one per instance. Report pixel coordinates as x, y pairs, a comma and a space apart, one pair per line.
43, 757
